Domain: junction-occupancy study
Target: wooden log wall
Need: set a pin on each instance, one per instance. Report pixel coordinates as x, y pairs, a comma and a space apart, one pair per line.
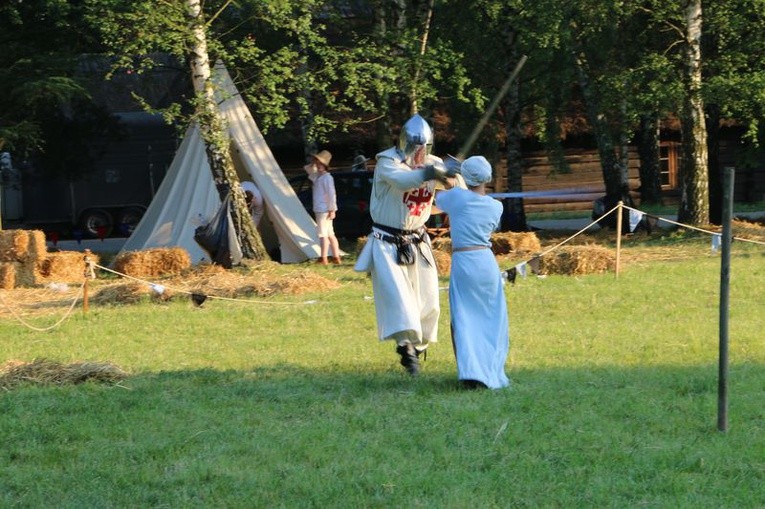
586, 177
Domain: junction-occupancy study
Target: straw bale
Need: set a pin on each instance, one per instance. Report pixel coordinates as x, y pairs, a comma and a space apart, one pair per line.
443, 262
751, 229
26, 273
13, 245
64, 266
38, 249
47, 372
153, 262
7, 276
518, 242
577, 260
22, 245
442, 244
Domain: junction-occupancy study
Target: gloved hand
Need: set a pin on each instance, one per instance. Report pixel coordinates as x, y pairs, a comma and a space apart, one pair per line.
431, 172
452, 165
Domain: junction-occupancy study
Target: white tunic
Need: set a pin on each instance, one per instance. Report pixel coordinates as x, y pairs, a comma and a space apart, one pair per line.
476, 289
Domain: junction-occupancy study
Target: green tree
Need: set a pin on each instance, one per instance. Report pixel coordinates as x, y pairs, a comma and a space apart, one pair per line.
40, 40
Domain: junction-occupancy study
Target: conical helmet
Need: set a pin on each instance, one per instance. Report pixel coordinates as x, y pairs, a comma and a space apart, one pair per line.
414, 134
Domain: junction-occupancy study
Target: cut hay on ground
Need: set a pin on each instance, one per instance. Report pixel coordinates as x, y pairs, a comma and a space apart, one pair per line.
215, 281
515, 242
47, 372
165, 261
121, 293
64, 267
578, 260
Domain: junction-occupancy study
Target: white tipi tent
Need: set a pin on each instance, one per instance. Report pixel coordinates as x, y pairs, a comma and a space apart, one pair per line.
187, 196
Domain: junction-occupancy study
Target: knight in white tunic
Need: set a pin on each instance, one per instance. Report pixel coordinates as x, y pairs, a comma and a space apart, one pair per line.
398, 253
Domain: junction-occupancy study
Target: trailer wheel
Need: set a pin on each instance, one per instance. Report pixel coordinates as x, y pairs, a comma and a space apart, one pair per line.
97, 223
128, 219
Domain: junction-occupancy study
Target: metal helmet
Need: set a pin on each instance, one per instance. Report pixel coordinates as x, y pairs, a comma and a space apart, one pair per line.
414, 134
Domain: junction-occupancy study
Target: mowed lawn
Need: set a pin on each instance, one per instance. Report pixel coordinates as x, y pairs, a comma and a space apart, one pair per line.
291, 401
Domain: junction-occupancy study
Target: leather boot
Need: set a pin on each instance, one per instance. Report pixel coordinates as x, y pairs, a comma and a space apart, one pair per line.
409, 358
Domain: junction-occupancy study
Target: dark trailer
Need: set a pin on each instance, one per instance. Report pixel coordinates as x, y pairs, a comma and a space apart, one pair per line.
112, 195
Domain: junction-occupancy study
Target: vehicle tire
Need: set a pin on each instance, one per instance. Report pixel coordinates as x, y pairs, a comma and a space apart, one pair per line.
97, 223
128, 219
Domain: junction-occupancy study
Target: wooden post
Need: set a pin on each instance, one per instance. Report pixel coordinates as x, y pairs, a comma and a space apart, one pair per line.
618, 237
727, 237
86, 273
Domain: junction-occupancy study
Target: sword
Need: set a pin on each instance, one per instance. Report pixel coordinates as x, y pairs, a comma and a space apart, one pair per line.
452, 160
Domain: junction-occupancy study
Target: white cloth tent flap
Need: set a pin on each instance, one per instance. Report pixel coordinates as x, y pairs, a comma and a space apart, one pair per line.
187, 196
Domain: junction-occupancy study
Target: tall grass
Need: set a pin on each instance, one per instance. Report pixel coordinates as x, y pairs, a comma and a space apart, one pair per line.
289, 404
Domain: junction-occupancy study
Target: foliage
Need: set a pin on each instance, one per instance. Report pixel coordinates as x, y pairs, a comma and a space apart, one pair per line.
41, 40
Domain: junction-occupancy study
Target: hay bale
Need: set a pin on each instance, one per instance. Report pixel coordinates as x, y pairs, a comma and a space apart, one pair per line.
163, 261
516, 242
26, 273
577, 260
37, 249
13, 245
47, 372
442, 244
7, 276
64, 267
22, 245
443, 262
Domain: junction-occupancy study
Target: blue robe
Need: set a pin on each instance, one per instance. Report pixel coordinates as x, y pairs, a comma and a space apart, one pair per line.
476, 289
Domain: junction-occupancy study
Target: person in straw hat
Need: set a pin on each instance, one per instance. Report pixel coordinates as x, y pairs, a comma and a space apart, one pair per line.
476, 296
398, 253
324, 204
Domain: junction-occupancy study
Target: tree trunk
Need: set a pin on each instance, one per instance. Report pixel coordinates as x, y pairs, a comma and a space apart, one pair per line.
614, 174
694, 180
715, 172
648, 151
382, 125
214, 134
514, 213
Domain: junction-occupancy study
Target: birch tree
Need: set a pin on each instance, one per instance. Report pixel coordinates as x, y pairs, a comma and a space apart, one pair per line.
213, 130
694, 179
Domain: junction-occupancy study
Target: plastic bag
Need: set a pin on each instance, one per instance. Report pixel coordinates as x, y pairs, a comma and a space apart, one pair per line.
218, 237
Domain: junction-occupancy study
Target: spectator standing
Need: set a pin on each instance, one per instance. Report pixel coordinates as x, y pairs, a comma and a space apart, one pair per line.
324, 205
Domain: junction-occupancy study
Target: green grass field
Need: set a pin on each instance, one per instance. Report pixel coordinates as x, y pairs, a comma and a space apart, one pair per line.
282, 403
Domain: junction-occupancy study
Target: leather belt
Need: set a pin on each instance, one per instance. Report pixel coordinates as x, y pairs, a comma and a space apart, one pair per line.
468, 248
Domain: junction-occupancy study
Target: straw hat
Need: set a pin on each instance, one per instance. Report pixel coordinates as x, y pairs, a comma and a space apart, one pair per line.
324, 157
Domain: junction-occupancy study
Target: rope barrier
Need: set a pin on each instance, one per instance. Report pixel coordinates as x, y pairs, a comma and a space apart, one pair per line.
43, 329
692, 227
578, 233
